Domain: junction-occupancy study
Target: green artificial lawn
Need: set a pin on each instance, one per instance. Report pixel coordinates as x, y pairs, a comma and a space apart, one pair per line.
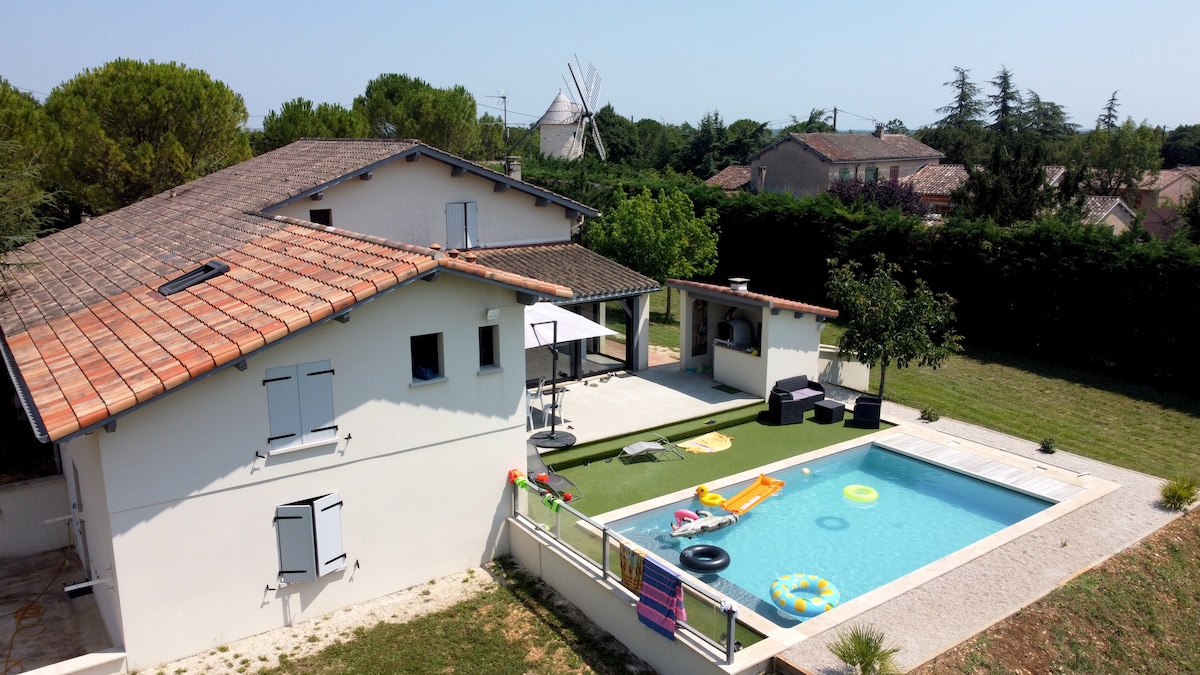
606, 485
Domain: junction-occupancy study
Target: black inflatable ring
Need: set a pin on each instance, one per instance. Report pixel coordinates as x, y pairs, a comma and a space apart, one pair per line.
704, 558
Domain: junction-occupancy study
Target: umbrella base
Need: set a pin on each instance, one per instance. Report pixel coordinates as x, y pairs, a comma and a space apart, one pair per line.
553, 439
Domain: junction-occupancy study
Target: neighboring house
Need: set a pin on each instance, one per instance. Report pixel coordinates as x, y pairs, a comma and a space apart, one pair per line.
1108, 211
263, 419
731, 179
1167, 187
806, 164
935, 183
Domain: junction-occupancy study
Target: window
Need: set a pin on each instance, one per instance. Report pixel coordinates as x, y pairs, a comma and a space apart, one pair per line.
462, 227
844, 173
488, 346
426, 356
300, 405
893, 173
872, 173
321, 216
309, 535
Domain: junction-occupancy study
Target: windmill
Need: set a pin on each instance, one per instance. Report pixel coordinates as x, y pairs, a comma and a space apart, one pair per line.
587, 85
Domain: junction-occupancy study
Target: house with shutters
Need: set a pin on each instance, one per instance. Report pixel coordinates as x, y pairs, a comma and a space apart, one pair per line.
806, 164
285, 388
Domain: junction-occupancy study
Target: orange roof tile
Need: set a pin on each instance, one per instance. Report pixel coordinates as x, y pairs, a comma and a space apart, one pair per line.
753, 298
91, 337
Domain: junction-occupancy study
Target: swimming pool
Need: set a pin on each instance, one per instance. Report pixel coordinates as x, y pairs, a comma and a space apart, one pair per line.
923, 513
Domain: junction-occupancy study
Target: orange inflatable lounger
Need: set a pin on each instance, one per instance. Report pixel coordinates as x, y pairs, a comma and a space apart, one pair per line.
752, 496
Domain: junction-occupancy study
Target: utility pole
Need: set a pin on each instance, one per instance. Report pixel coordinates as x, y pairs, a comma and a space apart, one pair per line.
503, 96
835, 119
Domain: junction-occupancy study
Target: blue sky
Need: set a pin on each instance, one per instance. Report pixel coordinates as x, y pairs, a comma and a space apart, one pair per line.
666, 60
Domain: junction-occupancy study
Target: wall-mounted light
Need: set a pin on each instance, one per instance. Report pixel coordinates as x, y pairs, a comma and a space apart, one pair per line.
492, 313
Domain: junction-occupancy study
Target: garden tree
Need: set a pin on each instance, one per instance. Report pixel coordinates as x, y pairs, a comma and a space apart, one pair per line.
888, 324
23, 121
24, 204
1108, 117
966, 111
746, 137
1118, 159
1189, 211
660, 237
298, 119
707, 147
1010, 188
619, 136
660, 144
400, 106
960, 134
1049, 124
1182, 147
819, 121
895, 126
132, 129
1006, 104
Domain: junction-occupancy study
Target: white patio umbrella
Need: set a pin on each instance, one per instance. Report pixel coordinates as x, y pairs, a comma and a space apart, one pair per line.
541, 319
547, 325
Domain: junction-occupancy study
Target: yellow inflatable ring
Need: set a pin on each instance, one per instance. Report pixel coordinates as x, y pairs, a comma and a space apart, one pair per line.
805, 595
860, 493
708, 498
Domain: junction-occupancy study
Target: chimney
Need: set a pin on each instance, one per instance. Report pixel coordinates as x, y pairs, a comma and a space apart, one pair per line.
738, 283
878, 130
512, 167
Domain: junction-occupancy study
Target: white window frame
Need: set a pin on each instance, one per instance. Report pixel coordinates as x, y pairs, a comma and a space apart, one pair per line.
300, 406
440, 372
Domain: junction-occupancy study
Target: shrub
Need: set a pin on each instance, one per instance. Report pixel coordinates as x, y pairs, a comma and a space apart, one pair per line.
861, 647
930, 414
1179, 493
1047, 445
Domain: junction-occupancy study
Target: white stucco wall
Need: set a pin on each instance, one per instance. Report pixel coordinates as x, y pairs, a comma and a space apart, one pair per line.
89, 499
421, 471
24, 509
560, 140
792, 346
405, 201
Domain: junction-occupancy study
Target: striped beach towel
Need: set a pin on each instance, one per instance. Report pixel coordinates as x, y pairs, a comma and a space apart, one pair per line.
631, 567
661, 603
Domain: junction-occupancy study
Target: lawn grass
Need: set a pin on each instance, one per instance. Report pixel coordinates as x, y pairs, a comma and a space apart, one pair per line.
1132, 426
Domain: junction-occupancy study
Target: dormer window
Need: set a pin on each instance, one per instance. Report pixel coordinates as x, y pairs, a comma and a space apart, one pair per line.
209, 270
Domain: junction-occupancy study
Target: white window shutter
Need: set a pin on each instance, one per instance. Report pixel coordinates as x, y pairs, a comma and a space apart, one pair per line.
283, 392
297, 546
327, 521
315, 385
471, 224
456, 216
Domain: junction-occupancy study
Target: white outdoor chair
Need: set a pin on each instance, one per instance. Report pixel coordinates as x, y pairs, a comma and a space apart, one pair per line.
530, 397
556, 406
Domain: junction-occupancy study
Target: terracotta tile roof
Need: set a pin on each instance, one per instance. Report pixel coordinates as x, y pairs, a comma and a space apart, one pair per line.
590, 275
937, 179
87, 335
861, 147
768, 301
732, 178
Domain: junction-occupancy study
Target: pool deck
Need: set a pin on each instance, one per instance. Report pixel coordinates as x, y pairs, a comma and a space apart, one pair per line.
963, 594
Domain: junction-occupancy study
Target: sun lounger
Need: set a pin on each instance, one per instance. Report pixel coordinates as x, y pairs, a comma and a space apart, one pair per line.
651, 449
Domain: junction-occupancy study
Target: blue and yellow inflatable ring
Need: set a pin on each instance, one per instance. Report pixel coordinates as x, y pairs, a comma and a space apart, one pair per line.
806, 595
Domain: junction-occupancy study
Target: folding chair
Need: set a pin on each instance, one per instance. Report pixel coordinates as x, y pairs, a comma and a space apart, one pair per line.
538, 469
530, 397
651, 449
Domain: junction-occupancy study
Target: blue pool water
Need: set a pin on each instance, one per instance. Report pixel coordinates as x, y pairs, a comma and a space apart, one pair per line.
923, 513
